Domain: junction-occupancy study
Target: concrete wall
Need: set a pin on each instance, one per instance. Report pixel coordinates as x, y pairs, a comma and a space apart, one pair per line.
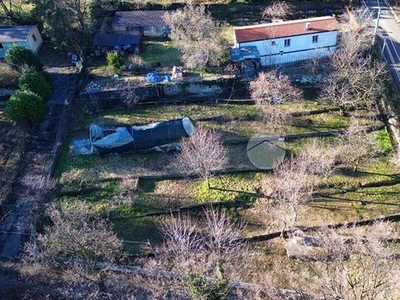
99, 100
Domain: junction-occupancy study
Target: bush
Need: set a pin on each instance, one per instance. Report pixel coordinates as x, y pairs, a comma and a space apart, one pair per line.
35, 83
137, 62
114, 61
19, 58
9, 77
25, 105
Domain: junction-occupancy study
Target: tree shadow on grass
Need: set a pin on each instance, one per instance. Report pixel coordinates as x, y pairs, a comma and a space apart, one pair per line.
362, 202
139, 230
358, 174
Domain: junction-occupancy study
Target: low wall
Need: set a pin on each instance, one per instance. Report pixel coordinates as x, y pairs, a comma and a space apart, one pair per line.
99, 100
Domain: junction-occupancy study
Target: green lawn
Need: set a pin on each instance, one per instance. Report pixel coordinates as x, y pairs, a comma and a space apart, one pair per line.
162, 54
338, 201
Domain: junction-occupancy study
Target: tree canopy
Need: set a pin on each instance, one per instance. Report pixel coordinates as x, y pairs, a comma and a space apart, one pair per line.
25, 105
20, 58
36, 83
194, 33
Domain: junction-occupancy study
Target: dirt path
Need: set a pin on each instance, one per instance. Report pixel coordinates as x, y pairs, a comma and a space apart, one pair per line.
39, 158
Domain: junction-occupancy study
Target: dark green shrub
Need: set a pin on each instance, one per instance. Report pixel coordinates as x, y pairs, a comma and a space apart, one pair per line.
19, 58
25, 105
114, 60
8, 77
36, 83
199, 288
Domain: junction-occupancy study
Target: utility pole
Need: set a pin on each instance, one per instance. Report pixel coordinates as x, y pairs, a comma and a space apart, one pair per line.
376, 26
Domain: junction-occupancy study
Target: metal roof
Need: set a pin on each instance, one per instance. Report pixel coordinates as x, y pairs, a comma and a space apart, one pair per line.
115, 39
285, 29
15, 33
242, 53
139, 18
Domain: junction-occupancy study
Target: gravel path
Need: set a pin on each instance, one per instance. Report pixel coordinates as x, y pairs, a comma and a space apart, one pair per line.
38, 160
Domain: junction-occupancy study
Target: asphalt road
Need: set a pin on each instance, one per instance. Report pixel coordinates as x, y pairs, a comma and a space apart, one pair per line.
388, 34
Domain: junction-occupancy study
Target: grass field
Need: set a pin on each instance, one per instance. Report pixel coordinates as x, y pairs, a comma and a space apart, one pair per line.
348, 195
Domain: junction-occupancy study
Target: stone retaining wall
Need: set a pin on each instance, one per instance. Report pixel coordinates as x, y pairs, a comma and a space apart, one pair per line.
98, 100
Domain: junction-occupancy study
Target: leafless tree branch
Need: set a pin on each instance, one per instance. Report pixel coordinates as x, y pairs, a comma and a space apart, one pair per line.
278, 10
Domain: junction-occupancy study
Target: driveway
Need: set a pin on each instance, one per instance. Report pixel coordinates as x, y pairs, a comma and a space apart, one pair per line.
39, 158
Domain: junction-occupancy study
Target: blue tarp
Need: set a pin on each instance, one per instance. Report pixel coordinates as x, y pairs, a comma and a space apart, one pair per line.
154, 77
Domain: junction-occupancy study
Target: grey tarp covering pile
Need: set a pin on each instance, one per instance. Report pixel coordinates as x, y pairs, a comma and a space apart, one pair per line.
133, 138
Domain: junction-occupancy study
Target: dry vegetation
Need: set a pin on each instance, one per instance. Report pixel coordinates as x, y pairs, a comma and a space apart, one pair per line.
341, 178
190, 247
9, 77
12, 144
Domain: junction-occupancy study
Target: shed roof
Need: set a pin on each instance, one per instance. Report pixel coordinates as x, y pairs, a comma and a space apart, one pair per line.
139, 18
111, 40
15, 33
285, 29
242, 53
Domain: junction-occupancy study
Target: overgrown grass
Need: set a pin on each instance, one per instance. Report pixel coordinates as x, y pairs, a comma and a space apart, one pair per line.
125, 207
383, 141
240, 120
241, 188
161, 54
9, 77
139, 230
156, 54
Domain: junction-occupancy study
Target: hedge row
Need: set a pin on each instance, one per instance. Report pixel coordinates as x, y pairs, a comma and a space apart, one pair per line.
29, 102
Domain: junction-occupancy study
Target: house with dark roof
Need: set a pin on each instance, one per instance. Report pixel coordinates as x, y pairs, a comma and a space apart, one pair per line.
290, 41
146, 23
26, 36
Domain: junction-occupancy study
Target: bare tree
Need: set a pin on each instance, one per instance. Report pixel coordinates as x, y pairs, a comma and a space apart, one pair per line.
354, 81
202, 153
355, 78
268, 90
355, 146
194, 33
293, 183
356, 31
209, 257
68, 252
292, 188
129, 95
357, 266
278, 10
270, 87
137, 62
320, 159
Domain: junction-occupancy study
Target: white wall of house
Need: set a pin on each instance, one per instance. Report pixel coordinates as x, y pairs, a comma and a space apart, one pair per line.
145, 31
155, 31
295, 48
35, 40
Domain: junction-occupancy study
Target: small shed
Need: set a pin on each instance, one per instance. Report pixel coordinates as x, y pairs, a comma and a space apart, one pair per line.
242, 53
247, 59
147, 23
26, 36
